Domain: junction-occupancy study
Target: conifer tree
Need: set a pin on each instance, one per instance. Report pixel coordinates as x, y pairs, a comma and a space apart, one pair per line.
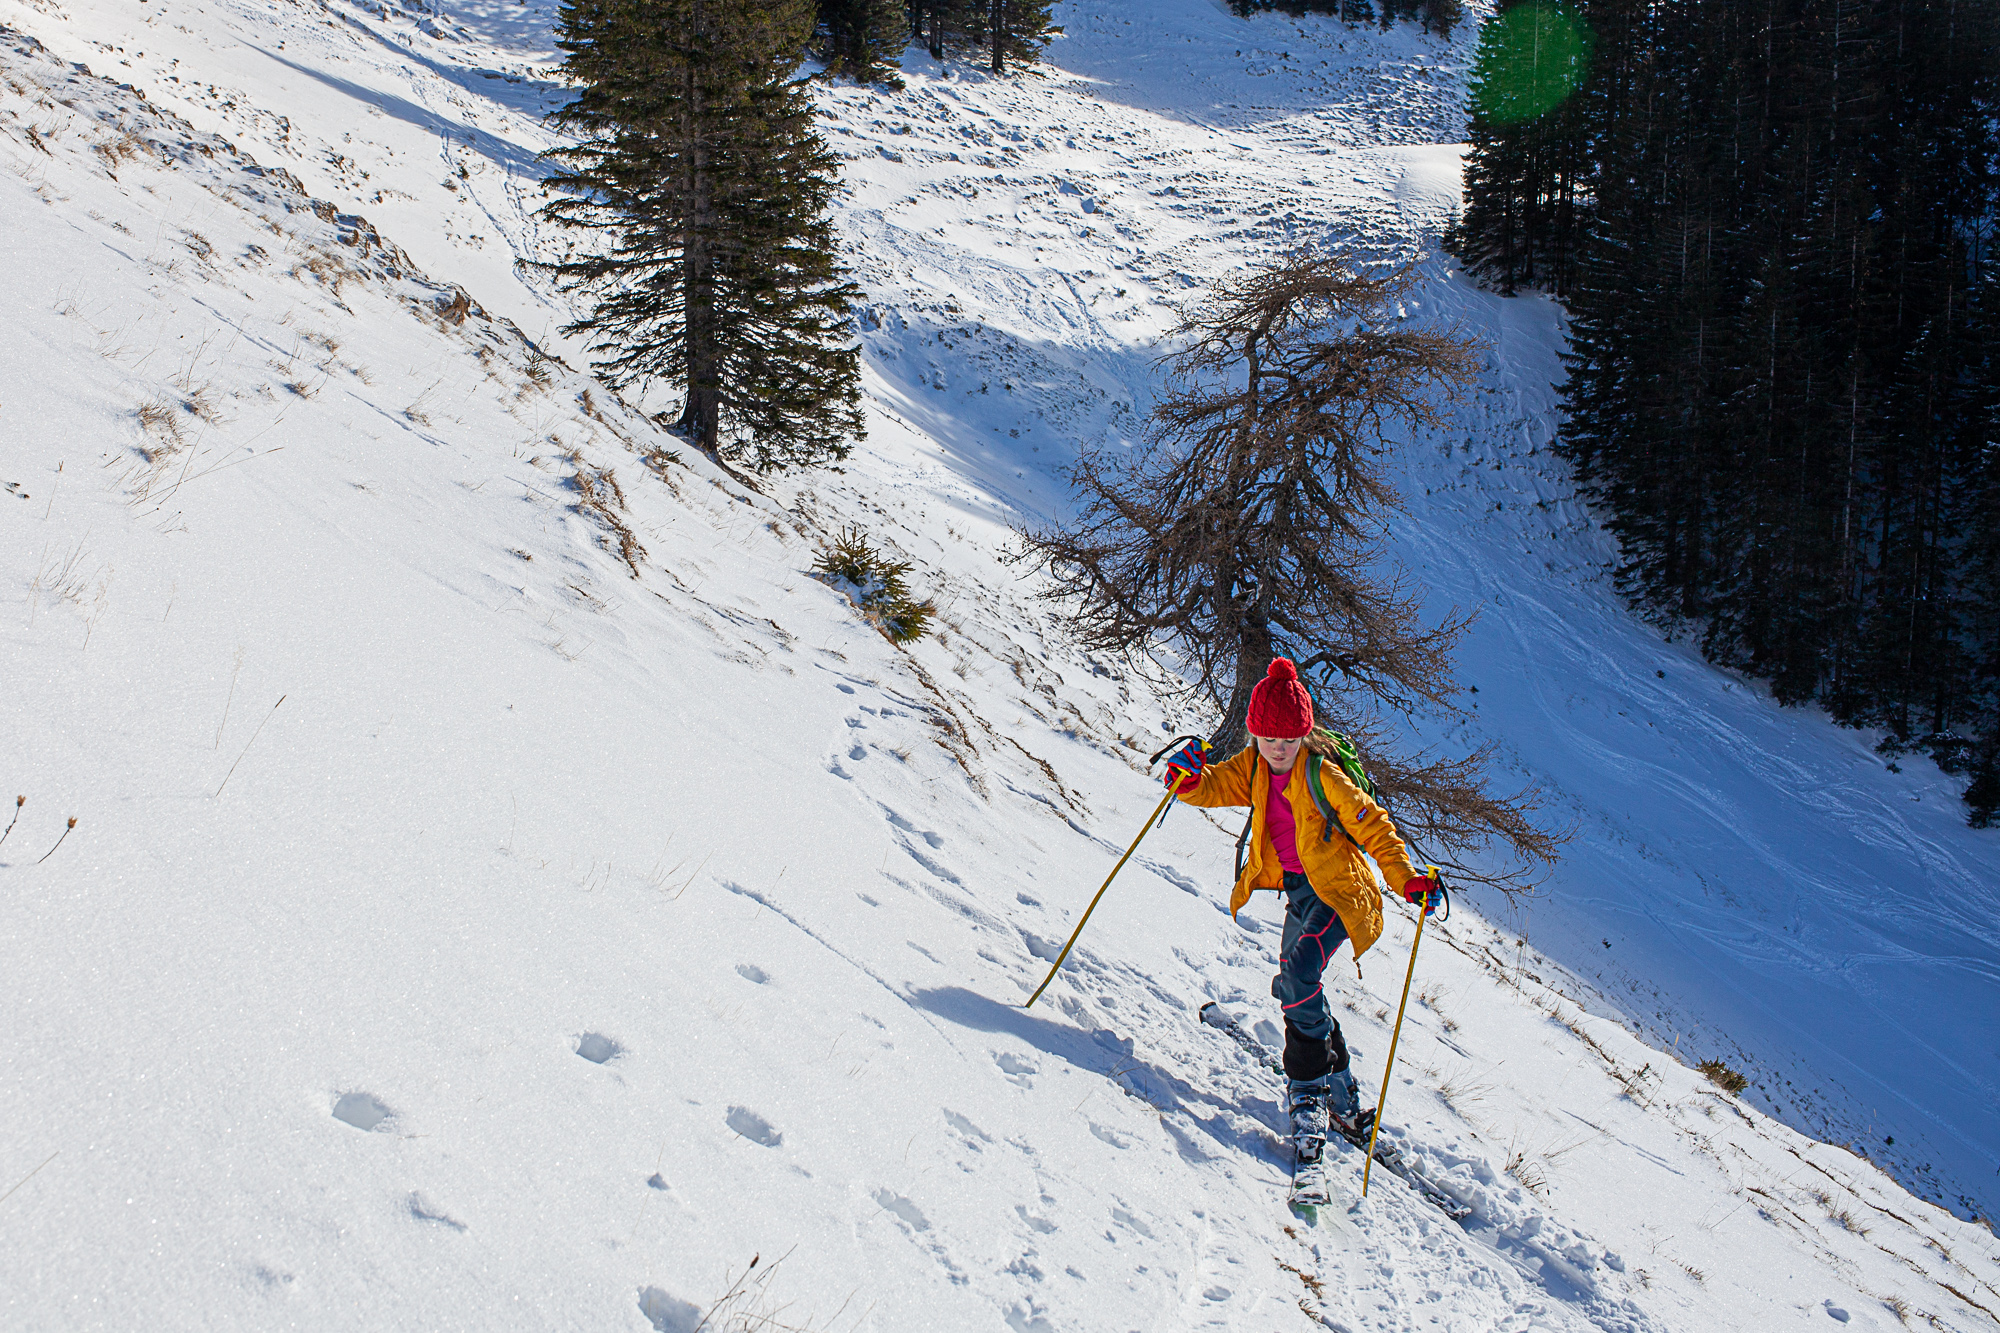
1435, 16
945, 25
698, 170
1017, 30
865, 39
1781, 367
1526, 138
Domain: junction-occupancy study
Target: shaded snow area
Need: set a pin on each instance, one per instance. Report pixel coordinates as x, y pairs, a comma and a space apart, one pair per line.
509, 891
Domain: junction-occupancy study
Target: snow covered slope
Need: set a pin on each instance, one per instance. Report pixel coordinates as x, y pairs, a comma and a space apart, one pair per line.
508, 891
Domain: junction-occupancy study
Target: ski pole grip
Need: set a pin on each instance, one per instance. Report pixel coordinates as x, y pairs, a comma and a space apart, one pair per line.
1169, 747
1437, 878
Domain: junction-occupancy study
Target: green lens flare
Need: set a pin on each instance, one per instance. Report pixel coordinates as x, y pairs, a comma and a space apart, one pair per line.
1530, 59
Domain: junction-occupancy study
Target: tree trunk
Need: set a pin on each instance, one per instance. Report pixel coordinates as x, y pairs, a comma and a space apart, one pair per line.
997, 14
1254, 650
701, 413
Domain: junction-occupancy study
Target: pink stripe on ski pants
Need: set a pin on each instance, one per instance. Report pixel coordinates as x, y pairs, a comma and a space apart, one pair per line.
1313, 933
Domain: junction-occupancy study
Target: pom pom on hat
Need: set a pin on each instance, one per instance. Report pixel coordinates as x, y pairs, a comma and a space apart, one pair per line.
1280, 708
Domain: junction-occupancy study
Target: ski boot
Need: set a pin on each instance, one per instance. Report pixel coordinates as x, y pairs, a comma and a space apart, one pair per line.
1345, 1113
1309, 1107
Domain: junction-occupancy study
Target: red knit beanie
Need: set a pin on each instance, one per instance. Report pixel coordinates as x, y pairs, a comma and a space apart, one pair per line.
1280, 708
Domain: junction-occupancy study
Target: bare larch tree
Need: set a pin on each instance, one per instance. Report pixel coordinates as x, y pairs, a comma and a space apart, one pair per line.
1249, 525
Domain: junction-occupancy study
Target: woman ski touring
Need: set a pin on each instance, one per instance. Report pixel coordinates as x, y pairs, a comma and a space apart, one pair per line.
1330, 892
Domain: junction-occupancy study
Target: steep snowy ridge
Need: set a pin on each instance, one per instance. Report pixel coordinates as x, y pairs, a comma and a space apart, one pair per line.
509, 891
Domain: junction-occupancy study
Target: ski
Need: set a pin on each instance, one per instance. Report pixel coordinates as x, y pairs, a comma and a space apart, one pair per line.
1312, 1175
1310, 1189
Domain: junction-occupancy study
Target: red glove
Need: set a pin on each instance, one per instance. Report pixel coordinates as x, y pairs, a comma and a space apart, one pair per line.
1184, 768
1424, 889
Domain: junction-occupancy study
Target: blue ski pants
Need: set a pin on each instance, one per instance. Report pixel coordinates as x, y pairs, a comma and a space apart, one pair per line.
1313, 932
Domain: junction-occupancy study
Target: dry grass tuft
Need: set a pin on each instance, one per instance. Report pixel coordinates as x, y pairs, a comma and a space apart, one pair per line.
200, 406
1527, 1171
115, 152
1429, 997
748, 1306
160, 426
1310, 1282
602, 498
1634, 1083
1459, 1092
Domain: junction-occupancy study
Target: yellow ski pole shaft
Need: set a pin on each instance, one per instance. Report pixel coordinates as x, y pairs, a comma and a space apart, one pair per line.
1382, 1098
1143, 830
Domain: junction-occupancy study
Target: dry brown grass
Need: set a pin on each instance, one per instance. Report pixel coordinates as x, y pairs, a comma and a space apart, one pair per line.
1527, 1169
201, 406
160, 425
602, 498
1634, 1083
116, 152
1429, 997
748, 1306
63, 576
1460, 1092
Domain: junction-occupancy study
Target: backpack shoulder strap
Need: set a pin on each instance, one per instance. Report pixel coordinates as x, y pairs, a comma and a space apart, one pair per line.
1326, 811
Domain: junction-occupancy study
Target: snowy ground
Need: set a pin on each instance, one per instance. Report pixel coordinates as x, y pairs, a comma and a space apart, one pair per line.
507, 891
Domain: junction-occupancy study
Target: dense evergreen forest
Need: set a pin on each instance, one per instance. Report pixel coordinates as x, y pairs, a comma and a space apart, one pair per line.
1438, 16
1771, 223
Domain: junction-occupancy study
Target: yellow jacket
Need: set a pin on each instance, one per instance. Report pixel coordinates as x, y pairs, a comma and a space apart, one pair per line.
1336, 867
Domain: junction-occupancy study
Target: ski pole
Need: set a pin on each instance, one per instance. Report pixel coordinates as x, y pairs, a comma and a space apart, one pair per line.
1395, 1036
1145, 828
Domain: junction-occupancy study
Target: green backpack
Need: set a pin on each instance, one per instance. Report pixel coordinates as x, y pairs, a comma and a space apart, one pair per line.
1350, 764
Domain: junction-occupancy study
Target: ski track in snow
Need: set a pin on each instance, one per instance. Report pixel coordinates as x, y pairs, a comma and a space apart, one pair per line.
572, 933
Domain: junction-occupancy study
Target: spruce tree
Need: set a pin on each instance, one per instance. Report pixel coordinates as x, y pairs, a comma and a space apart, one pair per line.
1017, 30
1527, 139
705, 186
1781, 364
942, 26
865, 39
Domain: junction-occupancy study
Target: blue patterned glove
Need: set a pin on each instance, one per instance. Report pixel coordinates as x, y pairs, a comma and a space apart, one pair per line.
1184, 768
